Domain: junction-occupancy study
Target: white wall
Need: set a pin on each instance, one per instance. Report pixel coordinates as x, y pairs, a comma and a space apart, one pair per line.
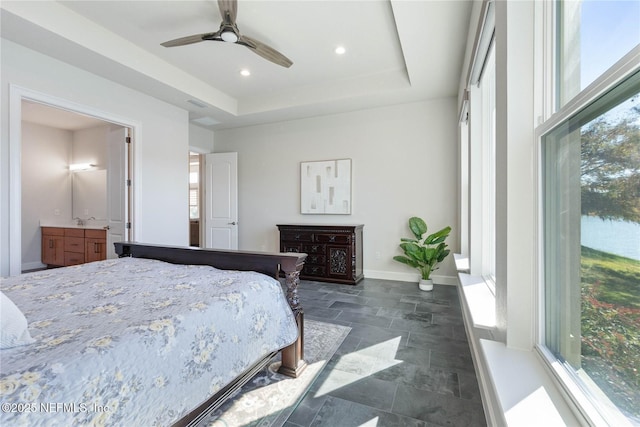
161, 141
403, 164
90, 146
200, 139
46, 184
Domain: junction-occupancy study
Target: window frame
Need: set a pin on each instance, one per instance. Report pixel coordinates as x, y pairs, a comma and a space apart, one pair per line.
525, 67
478, 155
591, 406
489, 168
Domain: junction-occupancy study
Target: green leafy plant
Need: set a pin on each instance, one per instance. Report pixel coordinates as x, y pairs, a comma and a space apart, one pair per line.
424, 252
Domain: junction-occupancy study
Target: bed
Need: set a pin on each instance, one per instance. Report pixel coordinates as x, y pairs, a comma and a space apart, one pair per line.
160, 336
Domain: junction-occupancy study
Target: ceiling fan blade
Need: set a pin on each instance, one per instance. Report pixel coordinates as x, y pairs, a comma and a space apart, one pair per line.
190, 39
265, 51
230, 8
228, 32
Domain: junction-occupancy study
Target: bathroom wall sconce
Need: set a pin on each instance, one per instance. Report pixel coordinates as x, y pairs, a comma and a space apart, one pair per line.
81, 166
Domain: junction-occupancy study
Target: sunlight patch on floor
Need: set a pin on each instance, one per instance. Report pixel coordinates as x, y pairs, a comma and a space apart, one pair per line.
270, 390
352, 367
371, 423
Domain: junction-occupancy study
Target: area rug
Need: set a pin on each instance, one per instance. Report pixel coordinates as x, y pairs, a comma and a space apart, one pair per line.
269, 398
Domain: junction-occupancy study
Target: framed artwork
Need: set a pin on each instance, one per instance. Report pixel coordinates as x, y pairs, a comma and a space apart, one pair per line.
325, 187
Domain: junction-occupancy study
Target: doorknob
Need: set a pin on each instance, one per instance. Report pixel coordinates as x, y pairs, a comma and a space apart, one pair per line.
232, 223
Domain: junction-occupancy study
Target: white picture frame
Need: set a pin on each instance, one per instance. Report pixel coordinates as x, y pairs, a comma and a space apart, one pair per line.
325, 187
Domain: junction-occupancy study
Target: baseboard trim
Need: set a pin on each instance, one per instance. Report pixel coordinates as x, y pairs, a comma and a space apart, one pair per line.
409, 277
445, 280
33, 266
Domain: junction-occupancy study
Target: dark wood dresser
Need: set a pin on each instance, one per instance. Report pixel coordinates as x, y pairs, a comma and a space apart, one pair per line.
334, 251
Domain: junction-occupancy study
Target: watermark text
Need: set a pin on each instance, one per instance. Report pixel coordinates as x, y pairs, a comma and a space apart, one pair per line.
53, 407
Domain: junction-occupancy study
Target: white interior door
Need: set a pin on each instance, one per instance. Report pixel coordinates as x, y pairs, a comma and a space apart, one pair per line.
117, 189
221, 200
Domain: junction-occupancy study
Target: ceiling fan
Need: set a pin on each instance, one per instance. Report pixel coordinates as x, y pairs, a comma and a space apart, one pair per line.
229, 32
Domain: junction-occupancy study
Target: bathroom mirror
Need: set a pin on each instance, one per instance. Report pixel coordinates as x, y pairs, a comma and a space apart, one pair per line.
89, 194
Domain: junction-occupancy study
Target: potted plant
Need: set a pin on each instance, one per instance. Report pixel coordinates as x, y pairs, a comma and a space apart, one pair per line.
424, 252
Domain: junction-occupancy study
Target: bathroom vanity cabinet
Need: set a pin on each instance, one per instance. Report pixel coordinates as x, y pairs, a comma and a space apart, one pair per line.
63, 246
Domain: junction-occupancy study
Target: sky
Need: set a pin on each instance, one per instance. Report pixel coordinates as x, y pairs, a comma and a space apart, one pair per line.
608, 30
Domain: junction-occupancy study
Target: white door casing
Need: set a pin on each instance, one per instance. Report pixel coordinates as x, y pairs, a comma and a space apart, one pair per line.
117, 188
16, 95
221, 200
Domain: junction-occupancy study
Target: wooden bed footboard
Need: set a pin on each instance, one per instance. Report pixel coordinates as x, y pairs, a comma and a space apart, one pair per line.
263, 262
267, 263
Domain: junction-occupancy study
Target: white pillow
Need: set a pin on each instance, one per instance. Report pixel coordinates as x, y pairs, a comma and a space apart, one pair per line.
13, 325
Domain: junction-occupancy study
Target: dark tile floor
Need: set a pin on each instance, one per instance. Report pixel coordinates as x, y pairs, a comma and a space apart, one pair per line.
406, 361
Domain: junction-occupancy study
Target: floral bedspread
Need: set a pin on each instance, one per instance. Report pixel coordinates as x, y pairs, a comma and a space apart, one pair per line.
133, 341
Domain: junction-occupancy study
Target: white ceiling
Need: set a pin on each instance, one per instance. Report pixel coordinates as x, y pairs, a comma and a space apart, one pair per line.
397, 51
41, 114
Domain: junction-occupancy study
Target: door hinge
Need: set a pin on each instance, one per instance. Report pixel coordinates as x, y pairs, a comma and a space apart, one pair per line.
127, 140
128, 183
128, 226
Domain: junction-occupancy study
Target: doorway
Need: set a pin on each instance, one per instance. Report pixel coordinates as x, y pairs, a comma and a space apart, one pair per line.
24, 245
221, 207
195, 191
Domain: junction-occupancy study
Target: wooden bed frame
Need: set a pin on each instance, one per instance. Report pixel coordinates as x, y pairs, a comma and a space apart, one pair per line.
267, 263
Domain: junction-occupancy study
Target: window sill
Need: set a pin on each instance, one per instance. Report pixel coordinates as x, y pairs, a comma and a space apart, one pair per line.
480, 301
525, 393
516, 388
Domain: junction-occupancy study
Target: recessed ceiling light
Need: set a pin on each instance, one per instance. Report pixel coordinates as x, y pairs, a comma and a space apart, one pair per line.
340, 50
245, 73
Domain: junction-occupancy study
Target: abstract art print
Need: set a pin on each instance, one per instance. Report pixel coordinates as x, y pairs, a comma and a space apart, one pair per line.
325, 187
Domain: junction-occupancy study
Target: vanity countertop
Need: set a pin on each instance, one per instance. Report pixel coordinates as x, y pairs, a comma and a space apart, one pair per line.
92, 225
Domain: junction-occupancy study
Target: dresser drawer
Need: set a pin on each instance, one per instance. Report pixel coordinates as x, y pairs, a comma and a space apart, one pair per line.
314, 249
316, 259
294, 236
333, 238
291, 247
314, 270
74, 244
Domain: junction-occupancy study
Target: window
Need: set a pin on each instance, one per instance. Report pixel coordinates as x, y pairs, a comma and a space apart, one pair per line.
592, 245
592, 36
193, 203
194, 186
488, 85
478, 153
482, 155
590, 161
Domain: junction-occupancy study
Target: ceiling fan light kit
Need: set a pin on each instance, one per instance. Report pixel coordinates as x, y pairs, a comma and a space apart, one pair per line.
229, 36
229, 33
